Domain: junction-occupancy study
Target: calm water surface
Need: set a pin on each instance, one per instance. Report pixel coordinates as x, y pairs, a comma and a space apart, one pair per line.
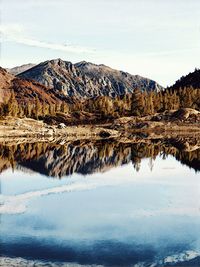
100, 204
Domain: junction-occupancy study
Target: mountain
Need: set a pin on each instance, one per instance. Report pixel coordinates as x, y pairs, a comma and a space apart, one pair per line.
24, 90
19, 69
191, 79
85, 80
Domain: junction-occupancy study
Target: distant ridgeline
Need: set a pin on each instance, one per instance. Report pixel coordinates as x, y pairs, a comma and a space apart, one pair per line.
190, 80
90, 157
84, 92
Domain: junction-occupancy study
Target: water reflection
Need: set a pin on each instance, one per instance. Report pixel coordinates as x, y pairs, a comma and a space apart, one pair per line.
87, 157
132, 209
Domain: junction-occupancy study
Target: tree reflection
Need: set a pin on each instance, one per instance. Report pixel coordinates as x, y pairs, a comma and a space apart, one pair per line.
87, 157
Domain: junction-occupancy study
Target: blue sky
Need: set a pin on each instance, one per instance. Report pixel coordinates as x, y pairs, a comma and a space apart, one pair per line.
154, 38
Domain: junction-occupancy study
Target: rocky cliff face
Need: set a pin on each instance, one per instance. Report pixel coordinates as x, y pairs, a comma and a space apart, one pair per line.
85, 79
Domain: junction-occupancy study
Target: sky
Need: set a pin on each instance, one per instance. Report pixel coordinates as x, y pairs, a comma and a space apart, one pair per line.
157, 39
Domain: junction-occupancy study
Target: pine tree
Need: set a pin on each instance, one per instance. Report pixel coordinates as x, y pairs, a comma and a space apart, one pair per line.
38, 108
137, 103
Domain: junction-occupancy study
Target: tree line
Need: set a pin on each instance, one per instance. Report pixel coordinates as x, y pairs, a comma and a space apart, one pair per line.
143, 103
35, 108
135, 104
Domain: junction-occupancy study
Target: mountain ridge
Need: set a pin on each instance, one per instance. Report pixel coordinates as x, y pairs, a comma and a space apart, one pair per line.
191, 79
19, 69
24, 90
87, 80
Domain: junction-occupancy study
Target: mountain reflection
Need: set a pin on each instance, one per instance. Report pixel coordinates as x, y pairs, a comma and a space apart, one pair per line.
87, 157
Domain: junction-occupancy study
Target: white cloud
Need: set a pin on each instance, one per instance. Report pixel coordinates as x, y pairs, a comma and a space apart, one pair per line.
16, 33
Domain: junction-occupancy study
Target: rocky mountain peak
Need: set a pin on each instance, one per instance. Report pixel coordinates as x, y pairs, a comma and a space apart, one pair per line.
85, 79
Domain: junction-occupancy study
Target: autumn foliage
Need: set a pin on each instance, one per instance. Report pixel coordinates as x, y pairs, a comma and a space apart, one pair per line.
104, 107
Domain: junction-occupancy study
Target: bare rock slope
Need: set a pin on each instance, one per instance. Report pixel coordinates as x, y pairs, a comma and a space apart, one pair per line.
85, 79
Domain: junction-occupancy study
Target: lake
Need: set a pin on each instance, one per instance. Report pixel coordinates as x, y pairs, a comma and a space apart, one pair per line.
102, 203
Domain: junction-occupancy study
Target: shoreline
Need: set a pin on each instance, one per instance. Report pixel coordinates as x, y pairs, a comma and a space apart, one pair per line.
122, 128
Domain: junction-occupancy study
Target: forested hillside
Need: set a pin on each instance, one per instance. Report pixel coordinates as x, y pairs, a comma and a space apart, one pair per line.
24, 98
